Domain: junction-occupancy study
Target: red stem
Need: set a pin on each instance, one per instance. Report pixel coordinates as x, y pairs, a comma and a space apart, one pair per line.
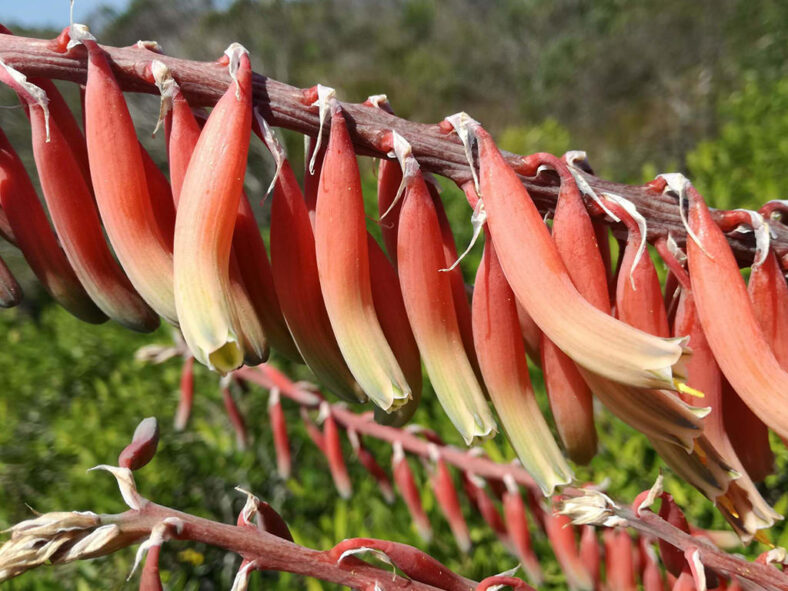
287, 106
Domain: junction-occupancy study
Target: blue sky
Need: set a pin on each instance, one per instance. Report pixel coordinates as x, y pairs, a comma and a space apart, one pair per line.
51, 13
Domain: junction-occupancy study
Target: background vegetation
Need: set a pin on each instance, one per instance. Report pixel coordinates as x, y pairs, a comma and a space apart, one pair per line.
644, 86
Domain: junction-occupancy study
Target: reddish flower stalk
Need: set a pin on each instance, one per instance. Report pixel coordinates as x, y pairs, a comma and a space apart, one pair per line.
441, 154
269, 377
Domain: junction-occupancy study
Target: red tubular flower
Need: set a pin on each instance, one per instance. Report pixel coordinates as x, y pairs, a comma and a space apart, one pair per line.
142, 447
590, 553
541, 283
458, 292
748, 434
36, 240
517, 526
234, 414
150, 579
532, 335
118, 173
207, 209
502, 356
276, 417
56, 148
297, 283
343, 266
406, 484
393, 318
429, 303
161, 197
449, 502
574, 235
742, 504
728, 320
186, 400
371, 465
59, 111
651, 576
619, 569
561, 534
334, 455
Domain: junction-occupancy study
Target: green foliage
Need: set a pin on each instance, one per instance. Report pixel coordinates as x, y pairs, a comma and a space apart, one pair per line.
745, 165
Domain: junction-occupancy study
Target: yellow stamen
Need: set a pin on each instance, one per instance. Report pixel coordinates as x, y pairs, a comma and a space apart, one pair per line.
728, 505
685, 389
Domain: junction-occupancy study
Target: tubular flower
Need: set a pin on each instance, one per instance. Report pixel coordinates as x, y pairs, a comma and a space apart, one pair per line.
204, 225
343, 266
448, 501
727, 317
117, 170
541, 283
561, 534
333, 451
429, 302
502, 357
297, 283
742, 504
36, 240
390, 310
406, 484
183, 132
570, 397
517, 525
73, 211
250, 271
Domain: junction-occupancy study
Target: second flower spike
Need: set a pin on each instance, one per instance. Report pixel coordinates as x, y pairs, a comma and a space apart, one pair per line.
205, 221
343, 266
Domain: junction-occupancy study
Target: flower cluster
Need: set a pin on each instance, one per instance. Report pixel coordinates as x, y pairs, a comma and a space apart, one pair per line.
699, 367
